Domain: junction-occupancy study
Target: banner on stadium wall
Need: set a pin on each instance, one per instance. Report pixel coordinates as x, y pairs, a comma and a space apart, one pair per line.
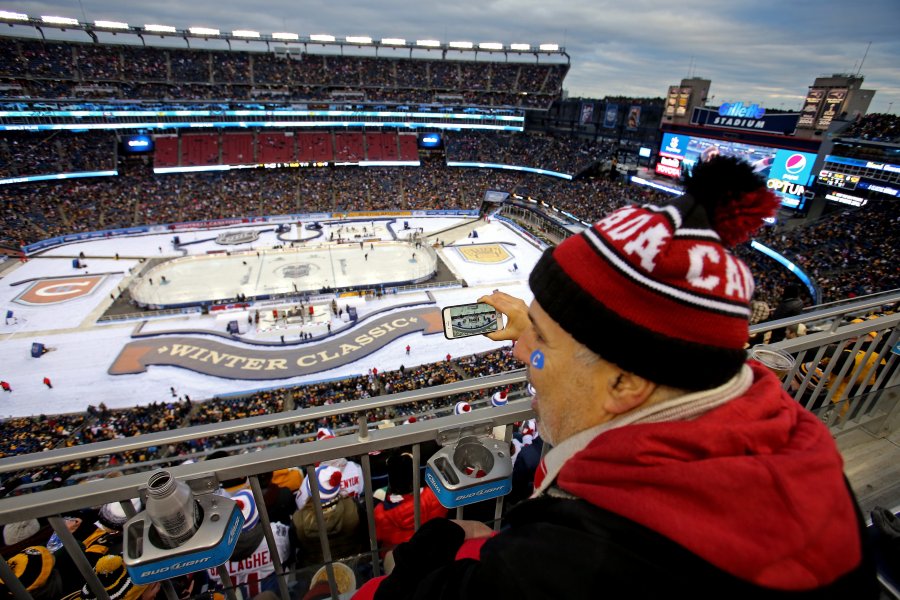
811, 107
80, 237
211, 224
610, 115
713, 117
634, 118
446, 213
369, 215
587, 113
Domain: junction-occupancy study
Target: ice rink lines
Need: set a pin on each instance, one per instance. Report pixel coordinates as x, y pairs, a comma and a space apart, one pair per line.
228, 361
484, 253
204, 278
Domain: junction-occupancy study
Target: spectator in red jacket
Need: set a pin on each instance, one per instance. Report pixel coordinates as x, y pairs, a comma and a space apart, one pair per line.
395, 517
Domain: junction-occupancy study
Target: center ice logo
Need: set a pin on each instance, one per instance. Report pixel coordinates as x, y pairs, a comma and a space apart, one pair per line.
488, 253
237, 237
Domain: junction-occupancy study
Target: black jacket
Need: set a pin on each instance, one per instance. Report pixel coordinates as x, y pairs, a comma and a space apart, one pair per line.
570, 549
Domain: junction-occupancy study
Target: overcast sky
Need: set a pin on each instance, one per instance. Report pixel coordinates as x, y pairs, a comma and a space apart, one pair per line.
765, 51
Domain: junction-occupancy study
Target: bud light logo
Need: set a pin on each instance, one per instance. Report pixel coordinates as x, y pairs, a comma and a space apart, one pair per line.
795, 164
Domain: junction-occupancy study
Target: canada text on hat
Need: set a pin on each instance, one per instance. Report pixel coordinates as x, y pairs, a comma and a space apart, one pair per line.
247, 505
329, 479
462, 407
654, 289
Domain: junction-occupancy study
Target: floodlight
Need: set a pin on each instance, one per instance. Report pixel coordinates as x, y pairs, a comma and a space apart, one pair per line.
549, 47
393, 41
285, 36
11, 16
159, 28
59, 20
245, 33
428, 43
111, 24
358, 39
461, 45
320, 37
490, 46
520, 47
203, 31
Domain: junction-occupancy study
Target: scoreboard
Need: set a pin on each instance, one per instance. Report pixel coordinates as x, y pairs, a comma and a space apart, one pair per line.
838, 180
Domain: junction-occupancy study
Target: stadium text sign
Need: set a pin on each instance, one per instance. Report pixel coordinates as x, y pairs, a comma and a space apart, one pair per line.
231, 361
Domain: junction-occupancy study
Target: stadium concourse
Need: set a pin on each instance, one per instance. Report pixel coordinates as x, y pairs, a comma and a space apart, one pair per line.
58, 306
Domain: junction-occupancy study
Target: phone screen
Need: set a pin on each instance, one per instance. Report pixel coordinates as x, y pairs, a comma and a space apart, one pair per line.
464, 320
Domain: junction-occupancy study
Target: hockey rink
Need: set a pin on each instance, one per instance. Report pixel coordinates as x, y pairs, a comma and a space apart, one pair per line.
82, 349
270, 272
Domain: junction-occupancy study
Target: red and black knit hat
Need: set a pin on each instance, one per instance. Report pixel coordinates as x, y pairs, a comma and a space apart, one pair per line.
654, 289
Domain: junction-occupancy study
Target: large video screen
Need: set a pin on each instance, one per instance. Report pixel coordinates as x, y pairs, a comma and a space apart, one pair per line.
787, 172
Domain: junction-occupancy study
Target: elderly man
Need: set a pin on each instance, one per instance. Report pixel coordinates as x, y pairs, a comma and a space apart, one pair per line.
677, 468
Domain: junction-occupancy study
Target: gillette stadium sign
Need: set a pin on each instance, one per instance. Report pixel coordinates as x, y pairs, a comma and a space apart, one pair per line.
745, 117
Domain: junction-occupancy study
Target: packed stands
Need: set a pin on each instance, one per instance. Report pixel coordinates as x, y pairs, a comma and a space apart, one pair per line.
876, 127
68, 70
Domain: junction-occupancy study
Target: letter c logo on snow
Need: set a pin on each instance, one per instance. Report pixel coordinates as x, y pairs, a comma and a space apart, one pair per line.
54, 291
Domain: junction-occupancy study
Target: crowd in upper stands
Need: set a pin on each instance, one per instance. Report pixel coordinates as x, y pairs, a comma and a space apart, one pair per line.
875, 127
540, 151
55, 70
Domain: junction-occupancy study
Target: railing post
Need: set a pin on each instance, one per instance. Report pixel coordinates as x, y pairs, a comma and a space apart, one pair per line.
12, 582
81, 562
270, 537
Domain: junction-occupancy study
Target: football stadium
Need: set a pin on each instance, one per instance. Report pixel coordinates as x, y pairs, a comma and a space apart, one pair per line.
231, 265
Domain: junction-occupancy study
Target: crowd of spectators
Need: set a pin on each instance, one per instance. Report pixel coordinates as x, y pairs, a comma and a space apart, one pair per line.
36, 434
58, 70
548, 152
875, 127
23, 154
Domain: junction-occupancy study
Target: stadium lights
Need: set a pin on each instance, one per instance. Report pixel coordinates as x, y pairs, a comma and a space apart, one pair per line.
319, 37
111, 24
203, 31
358, 39
159, 28
490, 46
59, 20
282, 35
11, 16
428, 43
393, 41
520, 47
245, 33
549, 47
461, 45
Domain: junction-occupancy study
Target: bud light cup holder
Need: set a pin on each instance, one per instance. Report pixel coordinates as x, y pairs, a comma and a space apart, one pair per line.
211, 545
468, 471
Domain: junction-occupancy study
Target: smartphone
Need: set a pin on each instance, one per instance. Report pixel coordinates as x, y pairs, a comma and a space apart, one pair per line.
464, 320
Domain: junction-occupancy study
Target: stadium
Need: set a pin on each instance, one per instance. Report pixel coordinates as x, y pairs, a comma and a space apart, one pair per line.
211, 257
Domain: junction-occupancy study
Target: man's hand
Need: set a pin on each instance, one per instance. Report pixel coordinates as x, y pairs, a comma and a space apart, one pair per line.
474, 529
516, 312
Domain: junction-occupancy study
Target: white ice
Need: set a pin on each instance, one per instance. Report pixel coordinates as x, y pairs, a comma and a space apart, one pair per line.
83, 350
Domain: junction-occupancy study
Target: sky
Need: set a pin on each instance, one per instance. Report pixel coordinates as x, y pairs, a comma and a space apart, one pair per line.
764, 51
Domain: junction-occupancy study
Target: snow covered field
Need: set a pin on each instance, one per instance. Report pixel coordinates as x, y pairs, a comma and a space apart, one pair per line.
83, 350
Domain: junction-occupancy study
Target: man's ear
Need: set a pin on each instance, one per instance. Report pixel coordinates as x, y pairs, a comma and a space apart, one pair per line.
626, 391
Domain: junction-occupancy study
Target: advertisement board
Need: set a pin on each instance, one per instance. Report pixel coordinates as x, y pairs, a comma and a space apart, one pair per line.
787, 172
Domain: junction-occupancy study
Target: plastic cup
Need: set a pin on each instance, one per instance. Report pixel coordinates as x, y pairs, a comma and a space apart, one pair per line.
778, 361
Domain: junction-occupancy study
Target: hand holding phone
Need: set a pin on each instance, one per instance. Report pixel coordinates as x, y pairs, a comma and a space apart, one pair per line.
516, 311
465, 320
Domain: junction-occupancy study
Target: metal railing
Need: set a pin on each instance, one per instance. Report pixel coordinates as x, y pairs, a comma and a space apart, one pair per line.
872, 395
